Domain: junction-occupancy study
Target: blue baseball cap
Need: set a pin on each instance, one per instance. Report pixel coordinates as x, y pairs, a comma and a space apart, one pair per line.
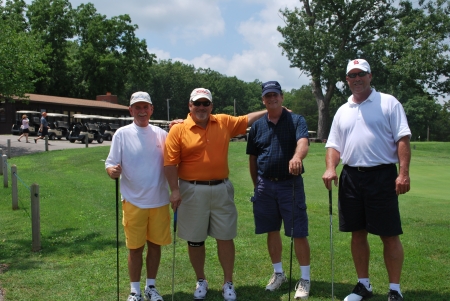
271, 86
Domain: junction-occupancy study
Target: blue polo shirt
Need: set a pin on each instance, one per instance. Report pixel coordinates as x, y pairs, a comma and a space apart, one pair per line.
274, 144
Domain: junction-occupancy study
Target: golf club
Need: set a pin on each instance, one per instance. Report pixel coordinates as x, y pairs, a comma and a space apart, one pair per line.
117, 234
292, 238
330, 202
174, 241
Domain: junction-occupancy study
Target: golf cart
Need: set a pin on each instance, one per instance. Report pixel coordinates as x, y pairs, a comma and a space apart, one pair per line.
58, 129
107, 129
164, 124
94, 129
34, 123
79, 131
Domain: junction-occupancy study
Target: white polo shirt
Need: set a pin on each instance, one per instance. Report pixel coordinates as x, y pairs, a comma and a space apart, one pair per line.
140, 152
365, 134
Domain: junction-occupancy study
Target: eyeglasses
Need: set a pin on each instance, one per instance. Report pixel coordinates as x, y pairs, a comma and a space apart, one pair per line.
199, 103
360, 74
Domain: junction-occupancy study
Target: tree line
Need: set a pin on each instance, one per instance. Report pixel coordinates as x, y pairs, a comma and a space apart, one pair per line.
49, 47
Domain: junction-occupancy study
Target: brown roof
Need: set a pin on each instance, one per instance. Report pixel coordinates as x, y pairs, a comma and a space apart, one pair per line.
74, 101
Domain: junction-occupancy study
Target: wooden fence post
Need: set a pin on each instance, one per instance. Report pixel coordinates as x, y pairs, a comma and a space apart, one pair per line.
1, 162
15, 191
9, 148
35, 218
5, 171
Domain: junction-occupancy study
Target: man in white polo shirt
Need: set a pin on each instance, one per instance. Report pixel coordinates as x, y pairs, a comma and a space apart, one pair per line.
370, 134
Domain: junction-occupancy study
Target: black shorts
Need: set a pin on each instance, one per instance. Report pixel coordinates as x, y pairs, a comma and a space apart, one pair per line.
367, 200
44, 132
26, 131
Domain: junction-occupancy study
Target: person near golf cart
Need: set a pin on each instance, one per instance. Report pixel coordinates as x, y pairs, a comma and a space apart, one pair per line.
370, 134
136, 156
196, 168
43, 128
277, 145
25, 126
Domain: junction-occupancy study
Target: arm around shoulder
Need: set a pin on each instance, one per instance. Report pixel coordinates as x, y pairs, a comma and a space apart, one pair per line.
252, 117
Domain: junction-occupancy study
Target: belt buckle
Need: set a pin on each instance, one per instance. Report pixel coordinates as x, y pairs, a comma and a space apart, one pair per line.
361, 169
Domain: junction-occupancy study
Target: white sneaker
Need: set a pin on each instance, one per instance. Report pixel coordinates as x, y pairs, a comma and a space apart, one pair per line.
360, 292
151, 294
229, 294
134, 297
302, 289
276, 281
201, 289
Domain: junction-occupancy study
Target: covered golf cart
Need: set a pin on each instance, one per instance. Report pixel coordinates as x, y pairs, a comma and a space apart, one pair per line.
85, 129
58, 128
34, 123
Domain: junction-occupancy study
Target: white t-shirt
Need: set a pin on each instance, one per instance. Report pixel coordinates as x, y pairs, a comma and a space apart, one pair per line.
365, 134
140, 152
25, 123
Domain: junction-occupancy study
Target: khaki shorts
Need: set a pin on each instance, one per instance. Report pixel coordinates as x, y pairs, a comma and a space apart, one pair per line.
141, 225
207, 210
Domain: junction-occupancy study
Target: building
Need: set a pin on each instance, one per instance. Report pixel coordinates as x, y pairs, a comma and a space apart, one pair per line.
104, 105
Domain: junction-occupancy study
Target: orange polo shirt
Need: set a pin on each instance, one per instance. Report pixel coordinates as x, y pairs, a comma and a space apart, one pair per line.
202, 154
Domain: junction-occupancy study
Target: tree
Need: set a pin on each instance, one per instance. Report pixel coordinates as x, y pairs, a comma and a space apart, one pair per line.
52, 21
421, 113
322, 36
442, 124
110, 57
302, 101
21, 53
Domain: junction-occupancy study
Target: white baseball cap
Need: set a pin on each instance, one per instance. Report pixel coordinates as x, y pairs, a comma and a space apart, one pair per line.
358, 64
199, 93
140, 97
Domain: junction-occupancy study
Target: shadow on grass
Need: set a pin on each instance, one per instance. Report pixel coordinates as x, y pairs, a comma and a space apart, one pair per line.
320, 290
63, 242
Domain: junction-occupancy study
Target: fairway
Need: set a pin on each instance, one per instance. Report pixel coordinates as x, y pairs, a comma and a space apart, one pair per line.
78, 256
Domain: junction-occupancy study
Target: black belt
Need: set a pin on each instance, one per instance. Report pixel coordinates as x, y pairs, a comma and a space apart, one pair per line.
371, 168
210, 183
279, 179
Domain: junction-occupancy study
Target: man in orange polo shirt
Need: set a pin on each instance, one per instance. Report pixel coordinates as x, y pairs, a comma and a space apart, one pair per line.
196, 167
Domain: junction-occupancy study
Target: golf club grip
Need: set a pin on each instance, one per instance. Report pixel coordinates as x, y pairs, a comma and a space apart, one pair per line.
175, 216
330, 202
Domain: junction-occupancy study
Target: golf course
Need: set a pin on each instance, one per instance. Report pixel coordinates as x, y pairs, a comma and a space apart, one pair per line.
77, 260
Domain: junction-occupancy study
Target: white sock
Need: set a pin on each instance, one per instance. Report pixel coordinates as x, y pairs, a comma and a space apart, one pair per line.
365, 281
395, 287
278, 267
135, 287
150, 282
305, 272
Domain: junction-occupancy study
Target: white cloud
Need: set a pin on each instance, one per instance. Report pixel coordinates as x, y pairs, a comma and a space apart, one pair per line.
160, 54
189, 21
262, 59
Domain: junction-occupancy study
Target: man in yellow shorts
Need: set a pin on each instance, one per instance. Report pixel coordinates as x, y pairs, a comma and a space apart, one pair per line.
196, 167
136, 156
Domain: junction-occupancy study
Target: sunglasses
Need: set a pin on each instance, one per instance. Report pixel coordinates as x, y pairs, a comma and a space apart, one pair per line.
360, 74
199, 103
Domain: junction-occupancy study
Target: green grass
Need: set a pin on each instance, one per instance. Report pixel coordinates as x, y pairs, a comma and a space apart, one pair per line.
78, 256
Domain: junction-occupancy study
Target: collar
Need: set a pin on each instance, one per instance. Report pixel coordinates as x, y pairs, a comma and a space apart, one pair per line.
370, 98
282, 116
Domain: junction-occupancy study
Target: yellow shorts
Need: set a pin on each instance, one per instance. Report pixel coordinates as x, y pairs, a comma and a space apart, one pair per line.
143, 225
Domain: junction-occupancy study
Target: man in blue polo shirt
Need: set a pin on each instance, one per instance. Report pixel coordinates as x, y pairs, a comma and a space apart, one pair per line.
277, 144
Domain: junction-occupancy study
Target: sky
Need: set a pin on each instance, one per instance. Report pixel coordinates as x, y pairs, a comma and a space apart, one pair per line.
233, 37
